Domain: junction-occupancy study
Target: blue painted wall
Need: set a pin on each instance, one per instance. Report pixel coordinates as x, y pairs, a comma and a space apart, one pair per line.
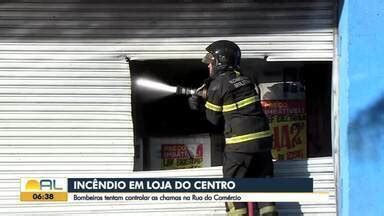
361, 67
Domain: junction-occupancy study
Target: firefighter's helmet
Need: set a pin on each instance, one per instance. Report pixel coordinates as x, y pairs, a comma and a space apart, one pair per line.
223, 53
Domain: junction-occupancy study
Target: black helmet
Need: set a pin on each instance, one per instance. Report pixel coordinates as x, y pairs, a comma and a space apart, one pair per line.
223, 53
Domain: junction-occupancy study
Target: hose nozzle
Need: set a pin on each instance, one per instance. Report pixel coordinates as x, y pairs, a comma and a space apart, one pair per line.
201, 91
185, 91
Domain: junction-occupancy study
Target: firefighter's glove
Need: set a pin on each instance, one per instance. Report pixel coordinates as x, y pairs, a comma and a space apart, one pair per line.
196, 102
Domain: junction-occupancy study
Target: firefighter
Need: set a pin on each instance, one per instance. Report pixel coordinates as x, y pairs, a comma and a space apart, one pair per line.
231, 100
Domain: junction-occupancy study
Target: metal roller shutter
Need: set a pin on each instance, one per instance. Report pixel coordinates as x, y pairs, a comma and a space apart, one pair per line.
65, 86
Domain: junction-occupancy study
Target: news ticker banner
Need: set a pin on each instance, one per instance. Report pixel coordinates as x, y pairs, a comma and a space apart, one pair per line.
169, 189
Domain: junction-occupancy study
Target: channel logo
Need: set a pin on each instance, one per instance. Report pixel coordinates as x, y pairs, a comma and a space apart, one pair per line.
43, 189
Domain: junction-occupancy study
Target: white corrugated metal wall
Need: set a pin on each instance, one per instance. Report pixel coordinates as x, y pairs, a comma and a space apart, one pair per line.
65, 86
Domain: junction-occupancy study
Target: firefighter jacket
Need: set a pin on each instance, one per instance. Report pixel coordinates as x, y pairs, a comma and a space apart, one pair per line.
232, 100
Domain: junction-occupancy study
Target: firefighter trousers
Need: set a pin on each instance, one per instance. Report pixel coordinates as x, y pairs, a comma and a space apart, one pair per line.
248, 165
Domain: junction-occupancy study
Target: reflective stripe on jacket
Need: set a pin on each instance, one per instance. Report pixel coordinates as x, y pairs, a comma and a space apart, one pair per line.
232, 100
